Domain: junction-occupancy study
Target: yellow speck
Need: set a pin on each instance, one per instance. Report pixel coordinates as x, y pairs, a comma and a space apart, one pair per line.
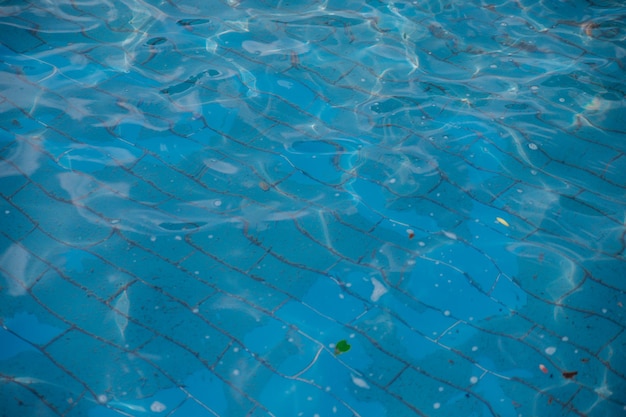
502, 221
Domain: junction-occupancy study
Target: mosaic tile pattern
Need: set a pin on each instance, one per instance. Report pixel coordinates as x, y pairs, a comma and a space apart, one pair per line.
202, 199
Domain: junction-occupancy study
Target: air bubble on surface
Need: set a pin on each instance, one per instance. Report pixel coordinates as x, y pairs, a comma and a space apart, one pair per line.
474, 379
236, 372
550, 350
474, 348
436, 405
532, 146
102, 398
565, 338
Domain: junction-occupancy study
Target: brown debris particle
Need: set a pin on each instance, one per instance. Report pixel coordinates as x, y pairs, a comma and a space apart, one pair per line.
569, 374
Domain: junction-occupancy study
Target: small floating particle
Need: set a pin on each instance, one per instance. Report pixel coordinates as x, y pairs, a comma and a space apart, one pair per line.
543, 368
450, 235
359, 382
157, 407
342, 347
410, 233
436, 405
569, 374
264, 186
474, 379
550, 350
502, 221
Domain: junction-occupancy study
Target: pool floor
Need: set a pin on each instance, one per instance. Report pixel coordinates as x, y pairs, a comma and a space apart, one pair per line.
322, 208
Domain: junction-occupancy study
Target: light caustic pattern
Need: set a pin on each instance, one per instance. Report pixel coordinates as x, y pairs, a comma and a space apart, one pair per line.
200, 200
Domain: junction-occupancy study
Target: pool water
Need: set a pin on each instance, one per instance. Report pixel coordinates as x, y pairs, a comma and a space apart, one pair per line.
312, 208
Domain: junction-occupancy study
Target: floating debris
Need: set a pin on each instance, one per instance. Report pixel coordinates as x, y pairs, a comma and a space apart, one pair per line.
502, 221
543, 368
264, 186
569, 374
341, 347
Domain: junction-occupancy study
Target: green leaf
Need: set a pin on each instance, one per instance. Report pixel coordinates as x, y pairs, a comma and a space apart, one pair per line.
342, 347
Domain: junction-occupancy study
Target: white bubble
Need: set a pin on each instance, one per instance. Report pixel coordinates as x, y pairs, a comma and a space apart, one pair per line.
474, 379
436, 405
532, 146
217, 203
102, 398
565, 338
550, 350
474, 348
236, 372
